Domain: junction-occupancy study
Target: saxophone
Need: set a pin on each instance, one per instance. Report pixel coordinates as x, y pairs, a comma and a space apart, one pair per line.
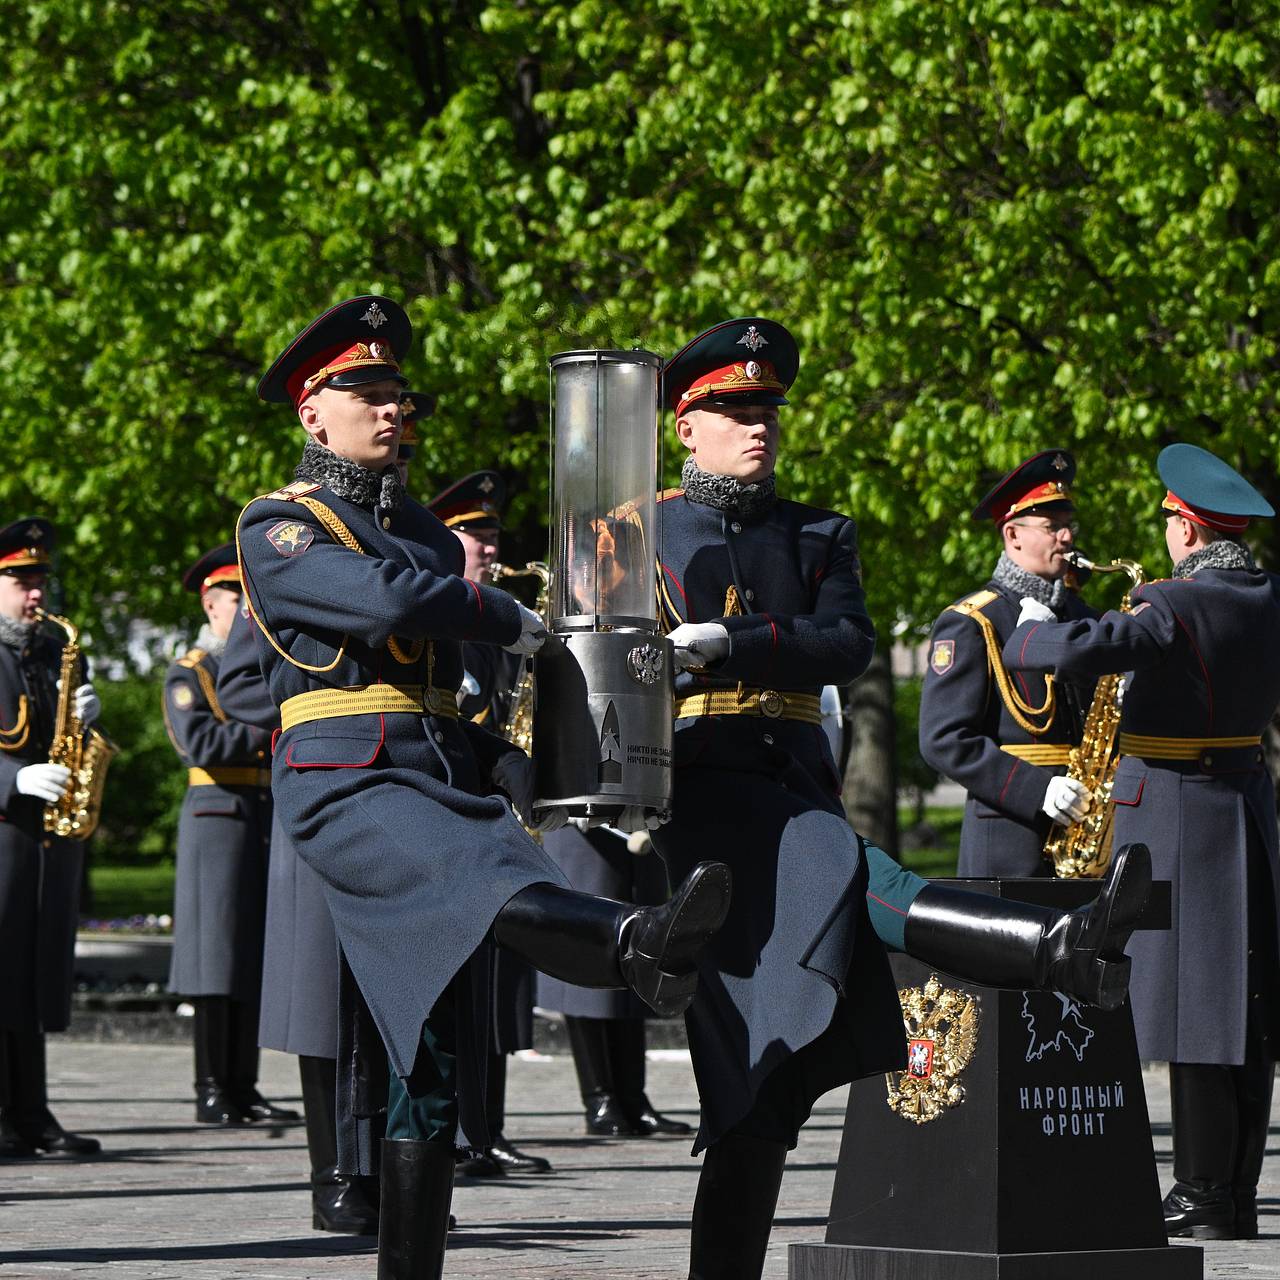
86, 752
517, 727
1082, 850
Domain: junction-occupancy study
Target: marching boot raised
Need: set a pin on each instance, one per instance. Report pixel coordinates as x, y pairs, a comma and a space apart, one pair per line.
596, 942
1018, 945
1205, 1140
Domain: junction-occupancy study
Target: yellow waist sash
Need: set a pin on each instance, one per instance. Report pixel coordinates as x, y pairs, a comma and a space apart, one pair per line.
751, 702
369, 700
229, 776
1137, 744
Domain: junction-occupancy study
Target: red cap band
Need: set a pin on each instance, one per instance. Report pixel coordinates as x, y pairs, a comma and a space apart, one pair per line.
1198, 515
26, 557
219, 577
310, 376
747, 375
1048, 491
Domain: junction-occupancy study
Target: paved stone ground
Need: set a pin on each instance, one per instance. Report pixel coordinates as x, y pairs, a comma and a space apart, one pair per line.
173, 1199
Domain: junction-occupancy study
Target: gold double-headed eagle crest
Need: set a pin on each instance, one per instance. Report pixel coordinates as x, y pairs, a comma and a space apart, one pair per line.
942, 1035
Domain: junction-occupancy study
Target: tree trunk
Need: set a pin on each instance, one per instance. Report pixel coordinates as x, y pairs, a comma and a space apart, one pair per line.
870, 791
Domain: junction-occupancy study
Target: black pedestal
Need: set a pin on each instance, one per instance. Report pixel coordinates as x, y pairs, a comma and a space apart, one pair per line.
1043, 1170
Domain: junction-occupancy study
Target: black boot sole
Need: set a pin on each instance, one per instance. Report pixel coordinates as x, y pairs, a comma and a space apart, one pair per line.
356, 1227
699, 908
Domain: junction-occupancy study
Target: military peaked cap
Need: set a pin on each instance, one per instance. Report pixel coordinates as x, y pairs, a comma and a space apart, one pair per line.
415, 407
216, 568
474, 502
361, 340
26, 546
1207, 490
748, 361
1043, 481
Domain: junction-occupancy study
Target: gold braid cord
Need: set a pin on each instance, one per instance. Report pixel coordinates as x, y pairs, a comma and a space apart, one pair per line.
16, 738
338, 530
1016, 706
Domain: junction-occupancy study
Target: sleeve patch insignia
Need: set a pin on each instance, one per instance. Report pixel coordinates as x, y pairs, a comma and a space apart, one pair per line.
183, 697
290, 538
943, 656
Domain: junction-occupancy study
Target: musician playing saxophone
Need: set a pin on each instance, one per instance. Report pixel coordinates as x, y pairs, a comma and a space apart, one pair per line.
1192, 785
1001, 736
40, 874
472, 507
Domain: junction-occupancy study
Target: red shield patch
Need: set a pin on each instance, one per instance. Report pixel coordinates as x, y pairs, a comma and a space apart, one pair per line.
290, 537
943, 656
920, 1059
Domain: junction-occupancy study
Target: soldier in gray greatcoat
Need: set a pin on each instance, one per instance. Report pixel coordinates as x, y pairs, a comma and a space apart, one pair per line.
39, 873
223, 835
1005, 738
1191, 784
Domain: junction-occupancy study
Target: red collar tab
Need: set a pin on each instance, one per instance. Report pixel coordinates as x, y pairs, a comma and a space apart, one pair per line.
1198, 515
311, 375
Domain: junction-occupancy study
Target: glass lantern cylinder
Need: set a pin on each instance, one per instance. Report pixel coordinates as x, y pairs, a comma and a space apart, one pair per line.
603, 680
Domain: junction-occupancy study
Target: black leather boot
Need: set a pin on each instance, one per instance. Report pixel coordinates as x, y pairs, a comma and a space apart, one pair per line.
417, 1184
211, 1039
733, 1210
596, 942
341, 1204
1205, 1130
243, 1056
1018, 945
12, 1145
625, 1037
28, 1113
1253, 1084
501, 1156
589, 1041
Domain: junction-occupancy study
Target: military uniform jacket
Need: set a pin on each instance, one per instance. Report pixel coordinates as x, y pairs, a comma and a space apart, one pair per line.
798, 971
1202, 653
300, 949
39, 874
219, 896
389, 809
965, 723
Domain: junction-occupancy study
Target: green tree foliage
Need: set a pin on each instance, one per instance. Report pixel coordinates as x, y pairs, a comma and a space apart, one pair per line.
993, 226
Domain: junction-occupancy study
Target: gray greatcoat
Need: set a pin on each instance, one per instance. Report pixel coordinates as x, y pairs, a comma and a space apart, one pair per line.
1201, 650
39, 874
300, 951
224, 831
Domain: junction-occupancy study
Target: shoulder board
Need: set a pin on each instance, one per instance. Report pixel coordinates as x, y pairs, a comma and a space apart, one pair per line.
292, 492
979, 600
670, 493
192, 658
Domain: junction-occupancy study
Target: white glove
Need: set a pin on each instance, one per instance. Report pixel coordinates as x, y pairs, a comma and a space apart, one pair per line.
88, 706
469, 687
633, 818
550, 819
1034, 611
46, 782
698, 644
1066, 800
533, 633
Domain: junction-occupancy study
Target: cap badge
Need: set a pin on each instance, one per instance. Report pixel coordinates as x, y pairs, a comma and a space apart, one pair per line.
34, 532
753, 369
1059, 462
379, 350
486, 485
374, 316
753, 340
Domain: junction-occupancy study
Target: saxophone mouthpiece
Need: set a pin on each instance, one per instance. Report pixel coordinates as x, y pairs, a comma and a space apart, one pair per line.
1078, 561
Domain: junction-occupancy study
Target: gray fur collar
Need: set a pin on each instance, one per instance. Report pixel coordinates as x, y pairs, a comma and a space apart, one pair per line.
1223, 554
1021, 582
211, 644
16, 633
725, 493
349, 479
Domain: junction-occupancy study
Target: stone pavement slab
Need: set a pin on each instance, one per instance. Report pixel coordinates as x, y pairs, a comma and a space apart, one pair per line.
170, 1198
